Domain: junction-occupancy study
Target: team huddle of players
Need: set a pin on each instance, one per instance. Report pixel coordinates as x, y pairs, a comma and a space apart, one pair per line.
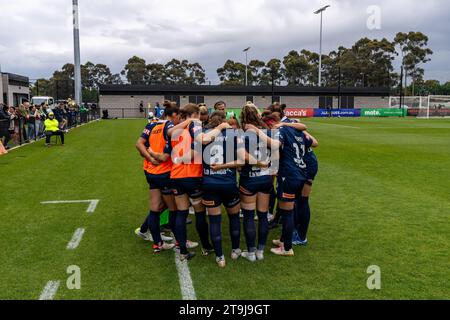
193, 159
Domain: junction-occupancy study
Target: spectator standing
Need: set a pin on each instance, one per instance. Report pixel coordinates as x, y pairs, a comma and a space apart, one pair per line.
13, 125
31, 120
4, 125
23, 112
42, 118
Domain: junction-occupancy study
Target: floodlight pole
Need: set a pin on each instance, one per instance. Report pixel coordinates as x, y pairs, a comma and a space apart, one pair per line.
401, 87
77, 60
246, 65
321, 10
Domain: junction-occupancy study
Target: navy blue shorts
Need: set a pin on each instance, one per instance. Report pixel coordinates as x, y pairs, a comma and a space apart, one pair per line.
288, 188
215, 195
160, 182
311, 172
252, 186
190, 186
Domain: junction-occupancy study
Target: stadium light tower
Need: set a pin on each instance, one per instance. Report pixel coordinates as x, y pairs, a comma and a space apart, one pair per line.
246, 65
76, 47
321, 10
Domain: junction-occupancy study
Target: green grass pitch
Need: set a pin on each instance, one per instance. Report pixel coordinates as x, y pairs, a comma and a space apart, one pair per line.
381, 198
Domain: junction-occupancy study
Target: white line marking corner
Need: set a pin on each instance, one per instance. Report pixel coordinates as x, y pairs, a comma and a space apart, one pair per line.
91, 208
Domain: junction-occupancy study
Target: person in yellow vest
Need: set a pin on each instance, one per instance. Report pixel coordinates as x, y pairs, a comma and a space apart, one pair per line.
52, 129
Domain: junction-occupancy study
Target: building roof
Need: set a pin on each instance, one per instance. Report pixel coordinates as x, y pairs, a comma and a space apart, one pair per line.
17, 80
221, 90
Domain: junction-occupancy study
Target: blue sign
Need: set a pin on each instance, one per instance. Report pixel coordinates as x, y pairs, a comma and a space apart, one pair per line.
336, 113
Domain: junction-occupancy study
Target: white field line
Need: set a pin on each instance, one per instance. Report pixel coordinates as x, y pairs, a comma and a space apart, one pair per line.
91, 208
76, 239
50, 290
184, 276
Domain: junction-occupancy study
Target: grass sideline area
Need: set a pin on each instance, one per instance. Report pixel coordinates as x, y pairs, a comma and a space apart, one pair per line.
381, 198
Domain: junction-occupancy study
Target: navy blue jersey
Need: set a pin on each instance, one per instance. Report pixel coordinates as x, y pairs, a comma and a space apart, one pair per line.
293, 149
310, 157
287, 120
260, 152
148, 130
168, 147
146, 133
222, 150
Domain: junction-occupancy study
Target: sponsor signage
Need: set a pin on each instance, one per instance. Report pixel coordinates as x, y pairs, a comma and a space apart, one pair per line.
299, 112
383, 112
344, 113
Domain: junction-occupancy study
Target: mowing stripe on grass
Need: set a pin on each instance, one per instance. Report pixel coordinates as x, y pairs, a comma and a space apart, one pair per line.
336, 125
50, 290
91, 208
184, 276
76, 239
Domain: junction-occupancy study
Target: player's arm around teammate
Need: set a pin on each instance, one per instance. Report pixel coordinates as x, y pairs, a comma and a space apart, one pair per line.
158, 178
220, 187
186, 175
255, 183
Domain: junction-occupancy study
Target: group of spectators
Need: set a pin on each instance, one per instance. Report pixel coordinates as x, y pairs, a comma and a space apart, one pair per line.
25, 123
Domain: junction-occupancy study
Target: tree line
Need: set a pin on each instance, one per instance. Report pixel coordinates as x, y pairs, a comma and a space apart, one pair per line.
367, 63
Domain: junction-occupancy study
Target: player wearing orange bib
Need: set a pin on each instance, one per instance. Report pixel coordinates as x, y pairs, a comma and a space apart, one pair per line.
155, 147
186, 175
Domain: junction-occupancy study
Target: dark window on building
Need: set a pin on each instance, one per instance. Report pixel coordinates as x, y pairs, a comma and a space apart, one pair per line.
325, 102
249, 99
173, 98
347, 102
196, 99
276, 99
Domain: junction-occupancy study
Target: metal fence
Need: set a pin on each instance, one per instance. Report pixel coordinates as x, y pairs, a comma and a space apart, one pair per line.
25, 131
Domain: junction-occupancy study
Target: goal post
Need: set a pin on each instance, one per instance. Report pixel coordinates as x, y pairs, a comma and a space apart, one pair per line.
436, 107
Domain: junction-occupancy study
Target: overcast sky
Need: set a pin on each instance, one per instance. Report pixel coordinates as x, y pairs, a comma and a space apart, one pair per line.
36, 35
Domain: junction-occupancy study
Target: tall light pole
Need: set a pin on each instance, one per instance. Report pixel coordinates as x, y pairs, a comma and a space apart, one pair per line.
76, 47
321, 10
246, 65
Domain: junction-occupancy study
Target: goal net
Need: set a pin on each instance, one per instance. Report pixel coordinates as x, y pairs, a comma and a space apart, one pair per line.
408, 102
436, 107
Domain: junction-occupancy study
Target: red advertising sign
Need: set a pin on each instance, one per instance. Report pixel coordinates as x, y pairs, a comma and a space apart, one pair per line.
299, 113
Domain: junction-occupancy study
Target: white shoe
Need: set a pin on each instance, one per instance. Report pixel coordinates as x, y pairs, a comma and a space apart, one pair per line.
166, 238
260, 255
145, 236
235, 254
221, 263
163, 247
281, 252
250, 256
191, 244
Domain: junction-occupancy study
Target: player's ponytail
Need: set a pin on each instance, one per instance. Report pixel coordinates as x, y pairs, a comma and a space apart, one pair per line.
250, 115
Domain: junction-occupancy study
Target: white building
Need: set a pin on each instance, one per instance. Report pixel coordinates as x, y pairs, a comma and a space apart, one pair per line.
13, 89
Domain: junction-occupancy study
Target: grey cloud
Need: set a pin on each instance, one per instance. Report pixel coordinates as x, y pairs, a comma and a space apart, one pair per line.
36, 36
